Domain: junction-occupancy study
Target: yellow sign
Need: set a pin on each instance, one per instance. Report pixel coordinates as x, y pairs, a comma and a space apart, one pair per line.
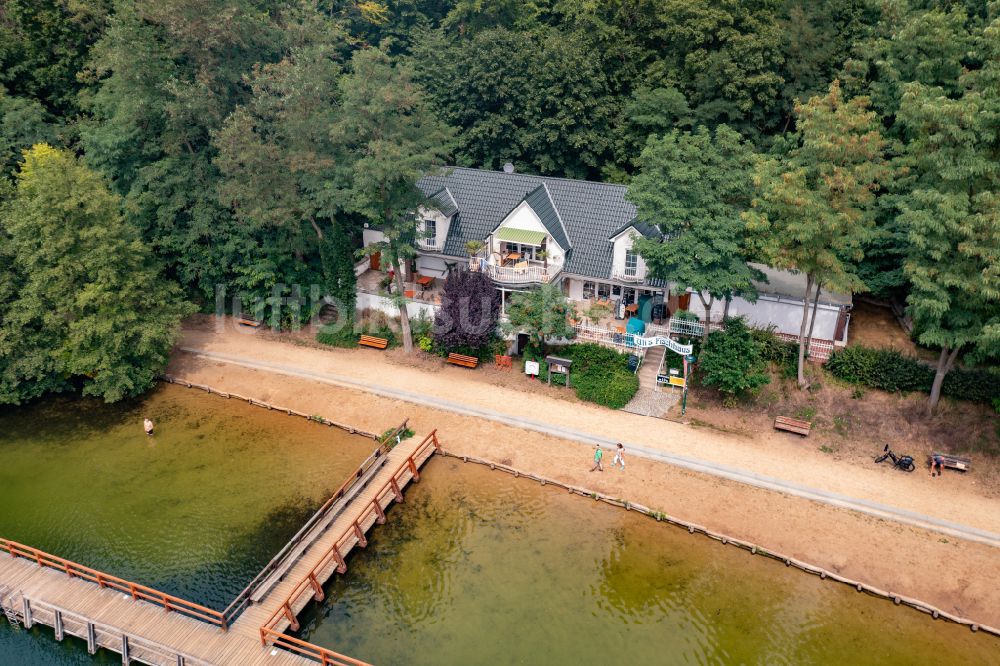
677, 381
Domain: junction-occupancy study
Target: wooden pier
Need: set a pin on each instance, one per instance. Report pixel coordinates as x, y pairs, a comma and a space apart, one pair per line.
148, 626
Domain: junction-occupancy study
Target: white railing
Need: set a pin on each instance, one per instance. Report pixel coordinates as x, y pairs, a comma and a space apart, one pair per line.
432, 244
637, 274
629, 341
524, 275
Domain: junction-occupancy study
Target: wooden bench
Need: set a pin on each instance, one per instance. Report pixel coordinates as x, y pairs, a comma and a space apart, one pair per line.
463, 360
952, 462
377, 343
792, 425
246, 321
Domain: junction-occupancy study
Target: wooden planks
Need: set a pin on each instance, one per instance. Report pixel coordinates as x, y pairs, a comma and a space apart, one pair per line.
116, 620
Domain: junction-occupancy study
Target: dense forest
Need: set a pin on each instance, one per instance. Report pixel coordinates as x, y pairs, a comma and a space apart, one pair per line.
159, 153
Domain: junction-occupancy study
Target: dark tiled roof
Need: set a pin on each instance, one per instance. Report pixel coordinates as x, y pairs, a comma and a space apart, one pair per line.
444, 202
647, 230
590, 212
541, 202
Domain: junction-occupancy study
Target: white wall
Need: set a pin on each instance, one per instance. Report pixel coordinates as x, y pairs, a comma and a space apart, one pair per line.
442, 223
369, 236
432, 265
524, 217
623, 243
384, 304
784, 314
575, 289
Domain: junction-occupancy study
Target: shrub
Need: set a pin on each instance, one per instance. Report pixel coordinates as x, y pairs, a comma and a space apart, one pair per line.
337, 336
731, 361
425, 344
889, 370
470, 310
370, 322
600, 375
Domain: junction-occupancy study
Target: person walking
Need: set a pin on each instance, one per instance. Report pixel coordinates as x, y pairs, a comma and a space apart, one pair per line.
619, 457
598, 455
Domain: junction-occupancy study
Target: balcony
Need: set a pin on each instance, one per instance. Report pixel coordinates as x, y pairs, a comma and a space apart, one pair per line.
531, 274
430, 244
637, 274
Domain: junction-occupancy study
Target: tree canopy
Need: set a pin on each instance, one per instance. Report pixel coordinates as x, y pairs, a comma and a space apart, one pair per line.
81, 299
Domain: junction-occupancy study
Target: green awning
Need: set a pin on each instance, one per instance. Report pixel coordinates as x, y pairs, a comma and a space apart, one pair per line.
522, 236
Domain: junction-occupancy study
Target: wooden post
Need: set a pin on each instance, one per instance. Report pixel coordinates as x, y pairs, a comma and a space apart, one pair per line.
434, 437
166, 602
131, 588
91, 638
100, 581
67, 569
58, 625
378, 509
27, 614
395, 489
125, 657
341, 564
180, 657
317, 588
360, 534
293, 621
413, 469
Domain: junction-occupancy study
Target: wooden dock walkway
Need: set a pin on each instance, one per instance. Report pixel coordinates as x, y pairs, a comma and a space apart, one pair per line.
151, 627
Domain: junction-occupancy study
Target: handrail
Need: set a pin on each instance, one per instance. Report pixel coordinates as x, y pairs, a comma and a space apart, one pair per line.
511, 275
326, 657
134, 640
311, 581
138, 592
242, 600
629, 275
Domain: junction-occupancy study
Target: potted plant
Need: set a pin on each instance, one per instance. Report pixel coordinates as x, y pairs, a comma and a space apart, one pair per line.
544, 256
474, 247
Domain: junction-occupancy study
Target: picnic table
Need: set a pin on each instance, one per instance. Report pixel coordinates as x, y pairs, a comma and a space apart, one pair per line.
632, 309
425, 281
512, 257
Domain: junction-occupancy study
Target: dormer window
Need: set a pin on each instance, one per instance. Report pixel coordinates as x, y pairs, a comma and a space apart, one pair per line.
631, 262
430, 230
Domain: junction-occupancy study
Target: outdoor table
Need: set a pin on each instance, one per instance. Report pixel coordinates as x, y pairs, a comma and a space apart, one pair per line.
425, 281
513, 257
632, 309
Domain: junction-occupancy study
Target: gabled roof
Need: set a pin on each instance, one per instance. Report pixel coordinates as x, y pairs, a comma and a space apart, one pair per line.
444, 202
541, 202
587, 212
647, 230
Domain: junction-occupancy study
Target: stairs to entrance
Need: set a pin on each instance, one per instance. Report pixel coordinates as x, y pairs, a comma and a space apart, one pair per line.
649, 401
650, 364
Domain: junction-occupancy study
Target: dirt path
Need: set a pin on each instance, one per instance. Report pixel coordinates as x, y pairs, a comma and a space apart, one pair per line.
952, 497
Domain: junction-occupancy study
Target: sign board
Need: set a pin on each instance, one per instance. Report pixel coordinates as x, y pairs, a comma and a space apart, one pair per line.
531, 368
678, 381
690, 358
662, 379
674, 372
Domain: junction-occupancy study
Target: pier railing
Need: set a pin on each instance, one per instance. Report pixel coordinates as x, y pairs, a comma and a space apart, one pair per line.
334, 557
138, 592
377, 457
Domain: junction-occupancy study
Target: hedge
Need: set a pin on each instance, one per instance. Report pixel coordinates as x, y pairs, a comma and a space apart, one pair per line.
598, 374
889, 370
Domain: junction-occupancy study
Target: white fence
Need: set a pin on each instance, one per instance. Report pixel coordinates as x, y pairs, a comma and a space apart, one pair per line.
819, 350
527, 275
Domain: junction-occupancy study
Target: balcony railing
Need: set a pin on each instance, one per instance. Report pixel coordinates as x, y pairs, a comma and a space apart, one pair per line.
637, 274
431, 244
523, 275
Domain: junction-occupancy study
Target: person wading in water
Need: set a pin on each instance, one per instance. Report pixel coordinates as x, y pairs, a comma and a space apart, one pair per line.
147, 425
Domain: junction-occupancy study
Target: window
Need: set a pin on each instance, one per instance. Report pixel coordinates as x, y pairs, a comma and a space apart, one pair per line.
631, 262
588, 290
616, 290
604, 290
430, 232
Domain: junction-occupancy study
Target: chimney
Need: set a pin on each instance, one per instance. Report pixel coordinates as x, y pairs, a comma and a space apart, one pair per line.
508, 168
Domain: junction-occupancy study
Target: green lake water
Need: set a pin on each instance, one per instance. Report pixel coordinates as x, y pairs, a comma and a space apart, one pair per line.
195, 511
474, 568
479, 568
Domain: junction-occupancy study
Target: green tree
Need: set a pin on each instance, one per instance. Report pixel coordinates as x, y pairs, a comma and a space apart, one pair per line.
693, 188
278, 161
951, 212
84, 302
388, 139
542, 313
534, 98
23, 123
813, 209
731, 361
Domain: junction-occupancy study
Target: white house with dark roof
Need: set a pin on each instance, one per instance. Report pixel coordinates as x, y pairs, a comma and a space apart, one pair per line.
579, 234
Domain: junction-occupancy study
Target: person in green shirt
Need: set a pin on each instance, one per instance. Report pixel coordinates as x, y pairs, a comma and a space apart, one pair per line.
598, 454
